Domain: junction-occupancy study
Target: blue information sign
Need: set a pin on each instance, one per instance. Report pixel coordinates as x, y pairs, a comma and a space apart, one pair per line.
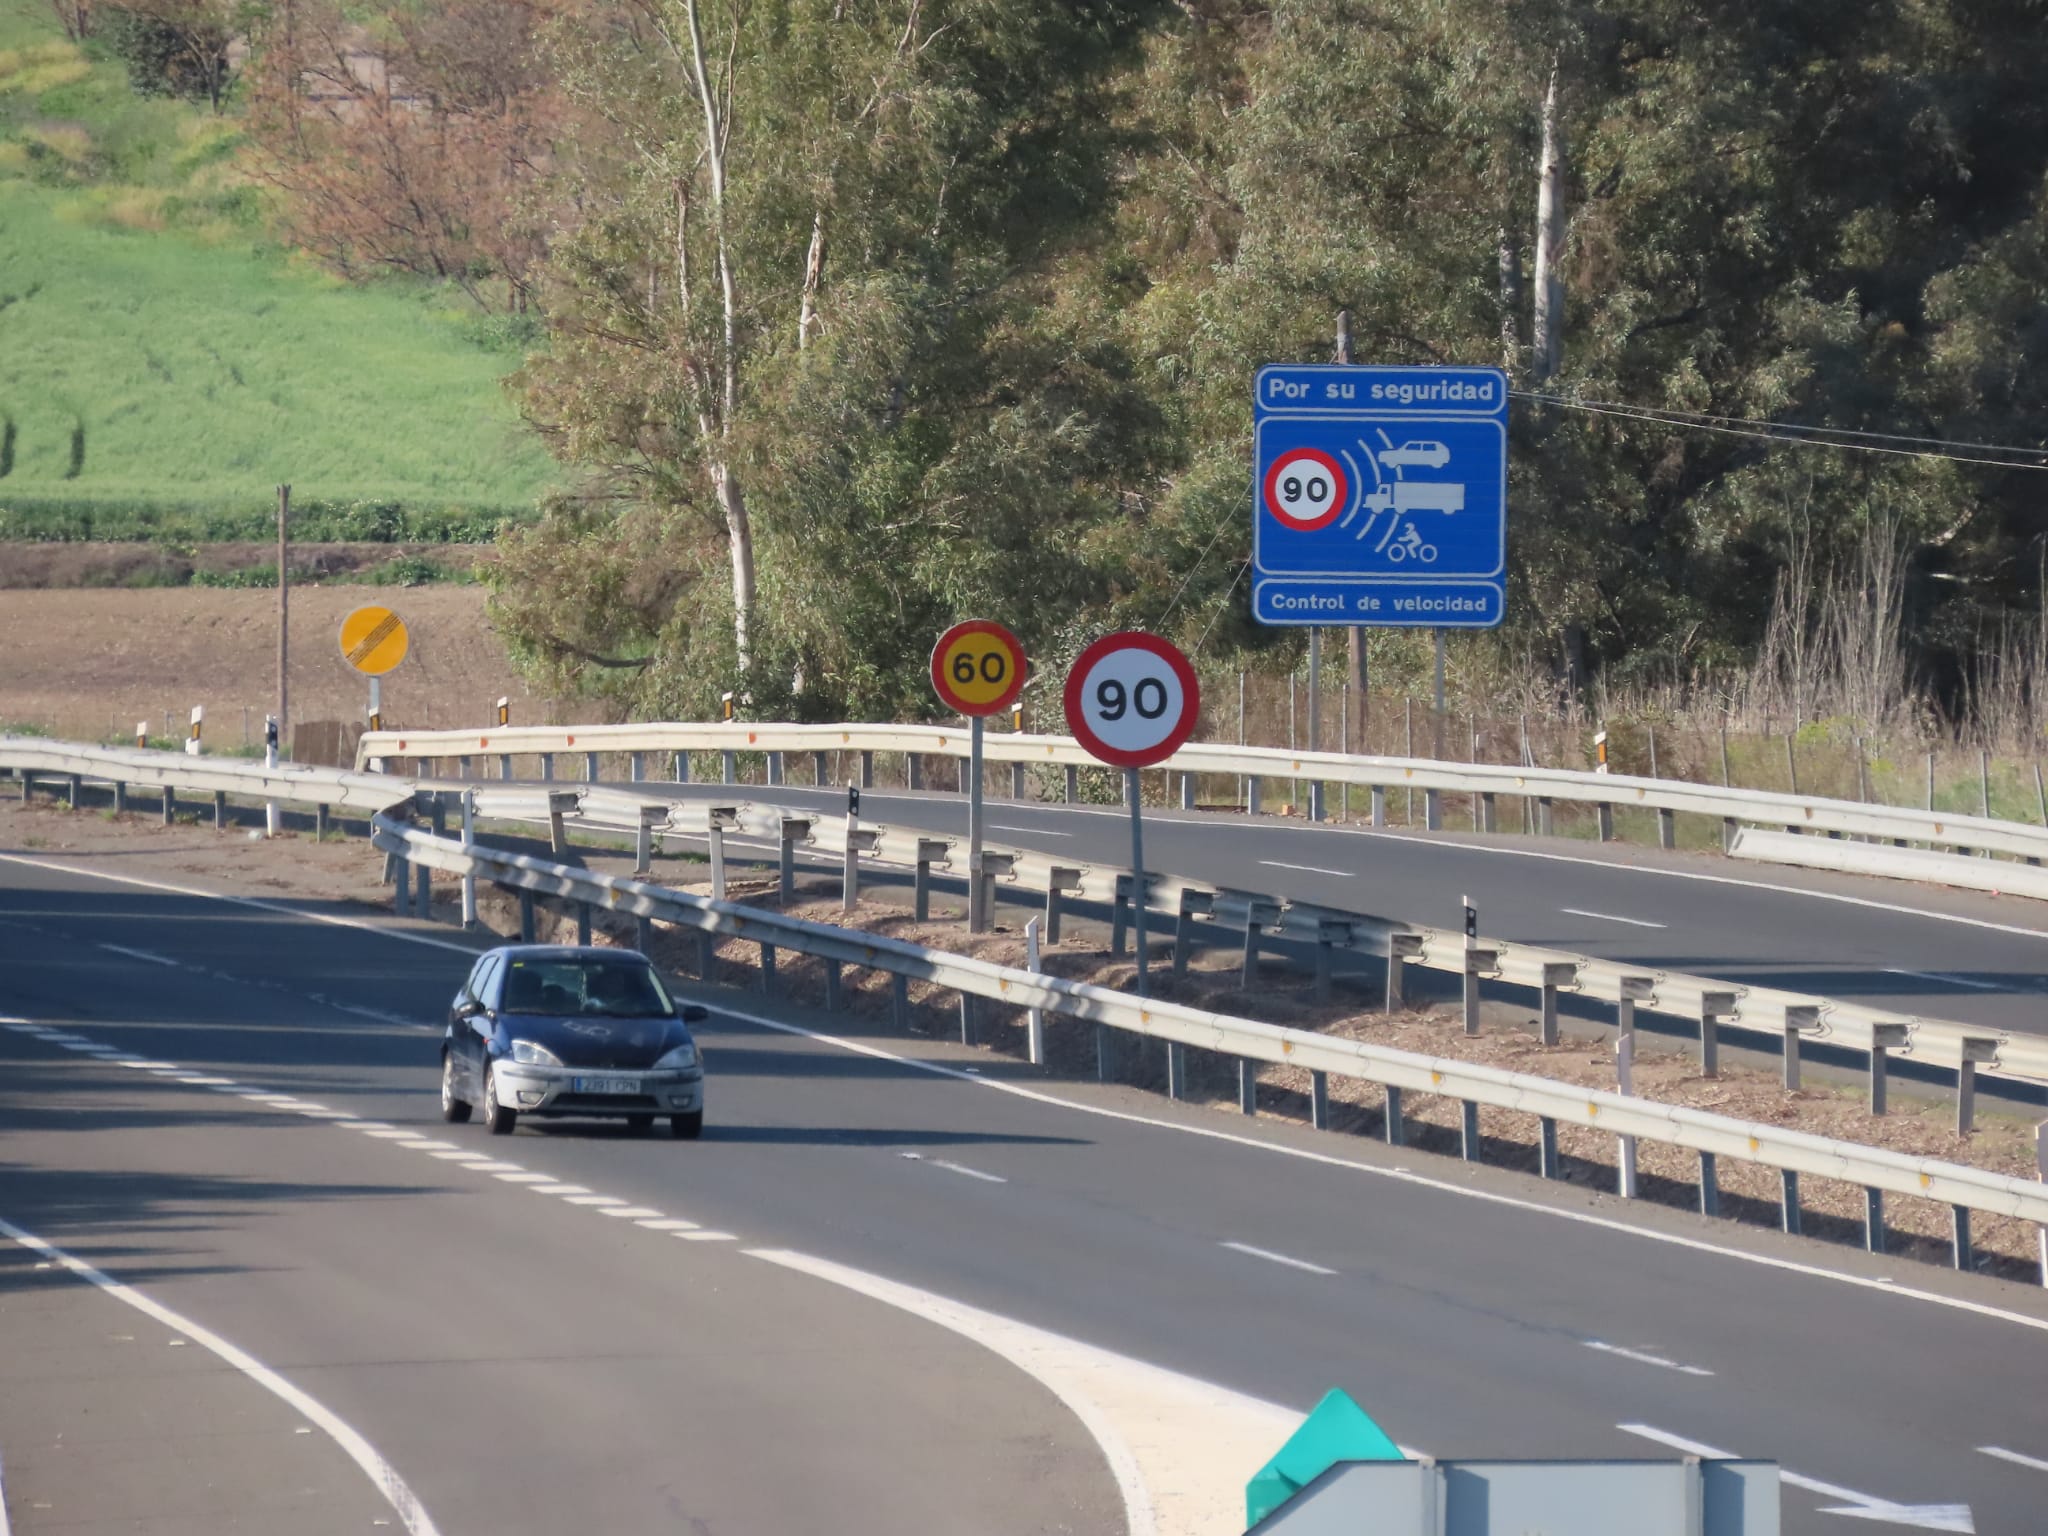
1380, 496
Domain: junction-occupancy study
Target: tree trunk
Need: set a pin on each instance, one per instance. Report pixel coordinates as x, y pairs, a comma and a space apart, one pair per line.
739, 532
814, 273
1548, 351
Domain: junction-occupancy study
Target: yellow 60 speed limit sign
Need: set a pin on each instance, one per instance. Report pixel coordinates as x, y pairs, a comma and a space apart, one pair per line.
978, 667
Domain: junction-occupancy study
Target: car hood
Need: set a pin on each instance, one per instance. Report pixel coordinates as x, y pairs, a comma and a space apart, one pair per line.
586, 1041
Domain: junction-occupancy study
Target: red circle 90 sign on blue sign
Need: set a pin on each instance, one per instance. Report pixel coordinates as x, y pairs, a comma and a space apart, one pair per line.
1132, 699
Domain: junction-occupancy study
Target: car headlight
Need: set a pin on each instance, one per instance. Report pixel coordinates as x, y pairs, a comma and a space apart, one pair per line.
684, 1055
527, 1054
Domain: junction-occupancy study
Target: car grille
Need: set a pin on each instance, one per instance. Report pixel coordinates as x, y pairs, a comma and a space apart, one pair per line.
603, 1101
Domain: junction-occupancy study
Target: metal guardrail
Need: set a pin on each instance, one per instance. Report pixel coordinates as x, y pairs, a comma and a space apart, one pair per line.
1999, 876
1485, 782
1554, 1103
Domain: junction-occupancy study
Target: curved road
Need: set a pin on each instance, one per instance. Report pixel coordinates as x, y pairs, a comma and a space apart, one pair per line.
527, 1364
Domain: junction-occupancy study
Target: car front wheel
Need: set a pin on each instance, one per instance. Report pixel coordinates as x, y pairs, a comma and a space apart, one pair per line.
687, 1127
498, 1117
454, 1110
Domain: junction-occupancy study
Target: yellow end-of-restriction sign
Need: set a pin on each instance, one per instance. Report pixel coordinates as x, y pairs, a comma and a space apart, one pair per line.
373, 640
978, 667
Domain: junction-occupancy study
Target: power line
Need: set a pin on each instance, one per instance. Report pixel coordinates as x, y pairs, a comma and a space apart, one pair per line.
1797, 436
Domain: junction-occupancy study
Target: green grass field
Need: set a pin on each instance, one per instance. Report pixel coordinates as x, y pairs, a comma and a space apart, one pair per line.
157, 350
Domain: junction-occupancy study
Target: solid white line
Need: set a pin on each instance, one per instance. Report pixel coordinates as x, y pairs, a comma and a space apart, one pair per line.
972, 1173
1307, 869
1953, 981
141, 954
1279, 1258
411, 1513
1609, 917
996, 826
1647, 1359
2015, 1457
1402, 1175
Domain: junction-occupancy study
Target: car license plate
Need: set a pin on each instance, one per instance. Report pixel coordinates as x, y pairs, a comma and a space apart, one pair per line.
607, 1085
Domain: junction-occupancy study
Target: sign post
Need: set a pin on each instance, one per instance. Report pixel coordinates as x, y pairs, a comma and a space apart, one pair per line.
1132, 701
374, 641
978, 669
1380, 496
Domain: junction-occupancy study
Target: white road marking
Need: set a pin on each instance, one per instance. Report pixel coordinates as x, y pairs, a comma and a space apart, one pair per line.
667, 1224
552, 1188
492, 1165
388, 1133
635, 1213
1945, 979
455, 1156
1307, 869
1279, 1258
705, 1237
1404, 1175
1645, 1358
995, 826
411, 1513
593, 1200
972, 1173
206, 1082
141, 954
527, 1178
440, 1146
1857, 1506
1609, 917
2014, 1457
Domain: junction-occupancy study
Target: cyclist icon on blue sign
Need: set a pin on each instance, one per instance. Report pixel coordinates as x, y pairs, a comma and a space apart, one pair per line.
1400, 498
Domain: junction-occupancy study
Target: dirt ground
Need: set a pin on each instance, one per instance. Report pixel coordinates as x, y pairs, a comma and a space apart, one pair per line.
1921, 1122
37, 565
89, 664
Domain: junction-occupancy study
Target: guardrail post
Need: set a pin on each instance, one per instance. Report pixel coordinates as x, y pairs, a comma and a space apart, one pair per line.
1710, 1185
28, 786
916, 774
1543, 816
993, 865
1016, 781
71, 783
1319, 1100
1556, 973
1714, 1007
636, 767
1468, 1131
1119, 914
1191, 903
1477, 962
1606, 822
720, 819
504, 765
321, 814
526, 924
1546, 1146
1432, 810
1873, 1219
1105, 1051
590, 767
1975, 1049
1256, 915
1328, 934
1396, 1131
643, 932
547, 766
929, 850
1489, 812
967, 1030
220, 810
1187, 792
560, 803
170, 803
1176, 1070
732, 766
1884, 1038
1034, 1017
1788, 1200
681, 768
468, 846
1401, 948
120, 797
818, 769
437, 812
583, 922
1379, 805
401, 885
774, 768
1959, 1247
867, 770
1624, 1077
1247, 1086
899, 999
651, 816
1315, 799
795, 829
767, 970
1058, 881
422, 896
831, 986
1667, 827
1799, 1018
1252, 795
1073, 783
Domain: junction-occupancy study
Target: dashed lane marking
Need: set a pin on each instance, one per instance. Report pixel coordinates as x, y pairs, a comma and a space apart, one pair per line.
2015, 1457
1644, 1357
1278, 1258
1609, 917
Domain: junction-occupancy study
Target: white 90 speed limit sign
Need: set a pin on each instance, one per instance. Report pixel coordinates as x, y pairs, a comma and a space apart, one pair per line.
1132, 699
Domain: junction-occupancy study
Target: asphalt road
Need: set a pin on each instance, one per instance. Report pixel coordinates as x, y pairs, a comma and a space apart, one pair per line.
527, 1365
1946, 954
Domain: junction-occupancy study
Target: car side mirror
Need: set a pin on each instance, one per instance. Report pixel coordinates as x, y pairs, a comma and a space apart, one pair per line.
468, 1008
692, 1013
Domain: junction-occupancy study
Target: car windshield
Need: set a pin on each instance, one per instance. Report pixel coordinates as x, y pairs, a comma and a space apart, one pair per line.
566, 987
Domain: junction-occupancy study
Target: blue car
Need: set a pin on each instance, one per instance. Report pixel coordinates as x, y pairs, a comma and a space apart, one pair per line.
554, 1030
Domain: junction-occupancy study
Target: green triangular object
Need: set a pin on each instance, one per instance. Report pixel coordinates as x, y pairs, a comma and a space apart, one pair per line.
1337, 1430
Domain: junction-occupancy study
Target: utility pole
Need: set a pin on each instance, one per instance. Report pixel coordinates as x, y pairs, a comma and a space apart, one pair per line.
284, 509
1357, 633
